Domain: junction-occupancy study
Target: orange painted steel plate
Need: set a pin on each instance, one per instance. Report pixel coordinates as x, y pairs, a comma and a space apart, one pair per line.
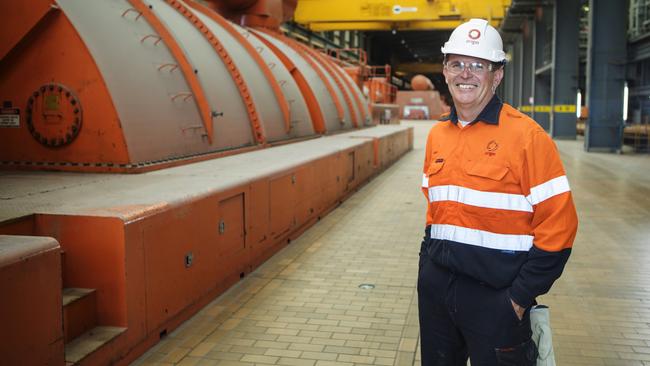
158, 114
132, 196
351, 91
30, 283
17, 248
334, 75
304, 88
164, 34
300, 119
325, 93
242, 36
345, 114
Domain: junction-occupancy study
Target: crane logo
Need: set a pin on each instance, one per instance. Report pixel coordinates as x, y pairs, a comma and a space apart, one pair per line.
398, 9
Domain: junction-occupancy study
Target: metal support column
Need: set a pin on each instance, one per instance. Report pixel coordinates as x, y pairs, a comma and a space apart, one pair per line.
606, 74
543, 66
564, 81
528, 70
509, 78
517, 66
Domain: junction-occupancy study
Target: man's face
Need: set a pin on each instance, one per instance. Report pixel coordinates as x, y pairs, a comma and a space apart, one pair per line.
471, 86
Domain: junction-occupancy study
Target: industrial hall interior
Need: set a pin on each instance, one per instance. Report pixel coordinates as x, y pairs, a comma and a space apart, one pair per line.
241, 182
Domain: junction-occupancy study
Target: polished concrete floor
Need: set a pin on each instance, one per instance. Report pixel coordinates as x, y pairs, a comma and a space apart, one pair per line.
308, 306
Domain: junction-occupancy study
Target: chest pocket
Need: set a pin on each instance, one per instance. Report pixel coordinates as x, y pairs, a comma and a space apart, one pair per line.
487, 177
433, 171
435, 166
490, 171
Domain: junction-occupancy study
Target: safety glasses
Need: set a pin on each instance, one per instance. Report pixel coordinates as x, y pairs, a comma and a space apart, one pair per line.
476, 67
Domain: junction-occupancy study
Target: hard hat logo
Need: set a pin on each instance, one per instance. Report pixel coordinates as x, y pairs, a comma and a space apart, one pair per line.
474, 34
476, 38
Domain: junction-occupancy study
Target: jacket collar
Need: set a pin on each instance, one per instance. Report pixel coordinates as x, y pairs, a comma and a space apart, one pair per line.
489, 114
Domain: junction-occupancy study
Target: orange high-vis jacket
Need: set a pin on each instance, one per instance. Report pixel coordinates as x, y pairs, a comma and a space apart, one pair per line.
500, 208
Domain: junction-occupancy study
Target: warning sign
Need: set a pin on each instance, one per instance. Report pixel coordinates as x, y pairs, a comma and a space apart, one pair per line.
9, 117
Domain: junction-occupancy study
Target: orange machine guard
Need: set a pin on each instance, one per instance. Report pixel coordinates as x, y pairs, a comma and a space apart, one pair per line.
363, 111
315, 111
335, 54
333, 70
282, 101
312, 63
19, 19
183, 62
253, 116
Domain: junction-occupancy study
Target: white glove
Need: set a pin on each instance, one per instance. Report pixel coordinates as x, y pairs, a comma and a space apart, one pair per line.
540, 323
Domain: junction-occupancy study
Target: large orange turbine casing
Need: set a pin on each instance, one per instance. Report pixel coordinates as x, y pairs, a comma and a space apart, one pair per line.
53, 51
130, 85
320, 81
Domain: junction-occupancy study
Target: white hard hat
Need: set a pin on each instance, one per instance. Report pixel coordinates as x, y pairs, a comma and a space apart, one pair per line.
476, 38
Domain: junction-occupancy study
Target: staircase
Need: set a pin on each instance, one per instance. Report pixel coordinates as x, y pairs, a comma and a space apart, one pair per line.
82, 335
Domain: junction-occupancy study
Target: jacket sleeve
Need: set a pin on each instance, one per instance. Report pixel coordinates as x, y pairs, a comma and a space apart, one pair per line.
554, 221
427, 158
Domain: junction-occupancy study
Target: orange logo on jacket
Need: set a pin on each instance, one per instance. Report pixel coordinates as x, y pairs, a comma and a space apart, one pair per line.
491, 148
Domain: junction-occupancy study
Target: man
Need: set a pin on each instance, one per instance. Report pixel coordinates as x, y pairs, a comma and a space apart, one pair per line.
500, 216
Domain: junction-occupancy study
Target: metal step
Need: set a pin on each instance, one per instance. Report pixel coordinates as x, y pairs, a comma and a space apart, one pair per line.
81, 347
79, 311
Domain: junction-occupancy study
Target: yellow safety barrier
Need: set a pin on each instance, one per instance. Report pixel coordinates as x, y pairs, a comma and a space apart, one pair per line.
558, 108
564, 108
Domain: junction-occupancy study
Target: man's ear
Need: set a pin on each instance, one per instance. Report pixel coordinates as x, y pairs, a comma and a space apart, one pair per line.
498, 76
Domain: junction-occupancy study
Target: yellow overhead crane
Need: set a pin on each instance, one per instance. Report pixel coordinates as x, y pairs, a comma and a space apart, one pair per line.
328, 15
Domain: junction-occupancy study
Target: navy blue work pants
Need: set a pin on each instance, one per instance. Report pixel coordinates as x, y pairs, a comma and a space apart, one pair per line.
461, 317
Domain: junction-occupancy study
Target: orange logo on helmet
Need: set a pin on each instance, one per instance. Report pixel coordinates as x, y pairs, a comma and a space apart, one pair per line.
474, 34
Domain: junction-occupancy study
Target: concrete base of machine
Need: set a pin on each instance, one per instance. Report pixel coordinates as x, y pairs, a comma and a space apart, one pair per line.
158, 246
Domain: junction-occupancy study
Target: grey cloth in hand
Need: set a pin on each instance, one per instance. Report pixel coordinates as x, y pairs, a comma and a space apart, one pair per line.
540, 323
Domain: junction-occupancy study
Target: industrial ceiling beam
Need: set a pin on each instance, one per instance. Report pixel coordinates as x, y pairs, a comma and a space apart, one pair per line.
419, 68
319, 15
